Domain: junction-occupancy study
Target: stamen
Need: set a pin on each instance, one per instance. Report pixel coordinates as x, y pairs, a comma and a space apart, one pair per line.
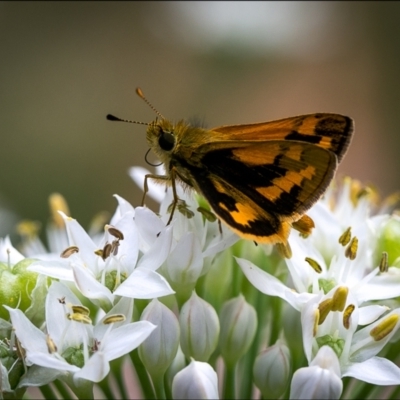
69, 251
284, 249
351, 249
304, 225
384, 328
84, 319
80, 310
384, 264
115, 232
28, 229
345, 237
112, 319
314, 265
324, 308
347, 315
57, 203
339, 298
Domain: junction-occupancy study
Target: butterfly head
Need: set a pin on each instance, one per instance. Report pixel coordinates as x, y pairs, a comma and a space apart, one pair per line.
161, 138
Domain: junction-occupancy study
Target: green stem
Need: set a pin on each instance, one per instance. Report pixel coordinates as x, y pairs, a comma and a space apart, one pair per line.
106, 388
168, 388
158, 383
147, 388
117, 371
360, 390
62, 389
229, 382
48, 392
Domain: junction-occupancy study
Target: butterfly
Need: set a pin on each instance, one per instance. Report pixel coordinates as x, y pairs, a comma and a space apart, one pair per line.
259, 178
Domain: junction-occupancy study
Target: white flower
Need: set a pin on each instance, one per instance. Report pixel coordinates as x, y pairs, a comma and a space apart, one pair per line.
128, 269
72, 344
333, 320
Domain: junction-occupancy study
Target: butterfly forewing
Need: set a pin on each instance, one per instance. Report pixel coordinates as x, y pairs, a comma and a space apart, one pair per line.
329, 131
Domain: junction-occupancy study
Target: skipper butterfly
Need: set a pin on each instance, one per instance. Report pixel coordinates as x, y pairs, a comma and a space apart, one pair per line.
258, 178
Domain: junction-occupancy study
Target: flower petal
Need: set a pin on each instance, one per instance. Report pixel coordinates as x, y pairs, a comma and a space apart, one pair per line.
124, 339
376, 370
144, 283
268, 284
55, 269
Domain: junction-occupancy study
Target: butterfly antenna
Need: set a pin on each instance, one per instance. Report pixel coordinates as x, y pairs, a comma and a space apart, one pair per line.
141, 95
111, 117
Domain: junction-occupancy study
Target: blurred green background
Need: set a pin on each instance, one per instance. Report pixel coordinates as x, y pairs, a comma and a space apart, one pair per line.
65, 65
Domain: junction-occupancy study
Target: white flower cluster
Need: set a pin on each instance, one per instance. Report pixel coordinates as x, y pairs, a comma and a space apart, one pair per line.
175, 292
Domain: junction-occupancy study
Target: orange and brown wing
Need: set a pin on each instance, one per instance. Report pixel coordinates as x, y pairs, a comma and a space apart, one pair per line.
258, 190
330, 131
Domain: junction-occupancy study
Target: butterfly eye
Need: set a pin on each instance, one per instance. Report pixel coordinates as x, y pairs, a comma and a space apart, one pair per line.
166, 141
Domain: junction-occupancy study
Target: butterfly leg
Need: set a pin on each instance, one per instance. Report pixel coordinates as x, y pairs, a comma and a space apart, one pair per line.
174, 194
146, 186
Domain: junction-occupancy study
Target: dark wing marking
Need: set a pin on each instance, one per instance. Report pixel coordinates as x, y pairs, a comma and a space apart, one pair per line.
255, 189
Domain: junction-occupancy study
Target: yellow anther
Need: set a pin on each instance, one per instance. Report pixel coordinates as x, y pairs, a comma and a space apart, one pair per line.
347, 315
339, 298
304, 225
314, 265
115, 232
80, 310
58, 203
384, 328
69, 251
284, 249
84, 319
384, 265
351, 249
114, 318
28, 229
345, 237
324, 308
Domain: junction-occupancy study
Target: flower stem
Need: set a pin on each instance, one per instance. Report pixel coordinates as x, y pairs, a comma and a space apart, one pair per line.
229, 383
158, 383
47, 392
143, 377
62, 389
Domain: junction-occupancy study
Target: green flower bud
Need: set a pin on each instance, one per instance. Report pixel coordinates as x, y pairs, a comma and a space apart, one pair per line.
199, 328
238, 327
272, 371
16, 285
158, 351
